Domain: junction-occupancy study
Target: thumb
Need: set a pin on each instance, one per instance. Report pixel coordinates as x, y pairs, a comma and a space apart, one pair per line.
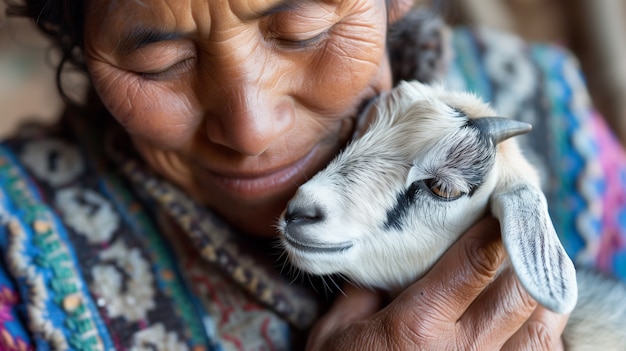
352, 306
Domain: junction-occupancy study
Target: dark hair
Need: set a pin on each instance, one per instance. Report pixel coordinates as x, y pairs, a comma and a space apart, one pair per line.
63, 22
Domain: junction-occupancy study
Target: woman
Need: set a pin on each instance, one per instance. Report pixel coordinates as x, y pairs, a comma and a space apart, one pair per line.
155, 231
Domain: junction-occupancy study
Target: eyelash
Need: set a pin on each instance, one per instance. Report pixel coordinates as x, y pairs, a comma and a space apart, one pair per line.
299, 27
300, 44
171, 71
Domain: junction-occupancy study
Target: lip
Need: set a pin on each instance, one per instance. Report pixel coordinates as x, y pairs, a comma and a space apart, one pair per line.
265, 182
317, 248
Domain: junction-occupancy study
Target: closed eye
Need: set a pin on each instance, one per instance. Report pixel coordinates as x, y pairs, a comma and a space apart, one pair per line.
173, 71
301, 24
301, 43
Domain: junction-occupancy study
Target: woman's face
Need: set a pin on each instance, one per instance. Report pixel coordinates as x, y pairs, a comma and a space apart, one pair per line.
237, 101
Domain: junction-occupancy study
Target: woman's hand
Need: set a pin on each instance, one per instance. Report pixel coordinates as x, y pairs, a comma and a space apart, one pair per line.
459, 304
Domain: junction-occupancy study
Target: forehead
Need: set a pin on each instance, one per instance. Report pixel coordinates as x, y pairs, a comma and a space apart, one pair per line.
240, 7
118, 12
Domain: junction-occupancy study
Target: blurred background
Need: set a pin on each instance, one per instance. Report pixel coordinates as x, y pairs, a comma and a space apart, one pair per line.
594, 30
27, 88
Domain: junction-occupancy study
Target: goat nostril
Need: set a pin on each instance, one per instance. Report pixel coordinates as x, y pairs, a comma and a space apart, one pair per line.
300, 215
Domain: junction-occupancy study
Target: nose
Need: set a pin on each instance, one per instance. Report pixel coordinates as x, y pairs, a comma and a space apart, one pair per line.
249, 107
303, 215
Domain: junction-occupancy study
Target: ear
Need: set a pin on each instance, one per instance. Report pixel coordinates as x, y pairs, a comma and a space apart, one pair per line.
536, 253
398, 9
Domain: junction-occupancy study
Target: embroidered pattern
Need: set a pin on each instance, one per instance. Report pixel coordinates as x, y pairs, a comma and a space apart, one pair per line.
242, 323
156, 338
53, 161
88, 213
218, 246
8, 341
167, 276
136, 299
38, 255
117, 269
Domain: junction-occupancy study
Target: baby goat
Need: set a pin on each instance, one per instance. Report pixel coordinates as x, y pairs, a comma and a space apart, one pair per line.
430, 165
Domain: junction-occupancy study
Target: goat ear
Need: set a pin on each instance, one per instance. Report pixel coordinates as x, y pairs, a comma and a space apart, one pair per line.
535, 251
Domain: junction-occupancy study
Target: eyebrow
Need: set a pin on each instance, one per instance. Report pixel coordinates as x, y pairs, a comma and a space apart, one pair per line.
287, 5
280, 7
140, 37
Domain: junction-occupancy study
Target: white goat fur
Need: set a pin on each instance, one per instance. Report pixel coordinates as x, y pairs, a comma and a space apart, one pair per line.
357, 223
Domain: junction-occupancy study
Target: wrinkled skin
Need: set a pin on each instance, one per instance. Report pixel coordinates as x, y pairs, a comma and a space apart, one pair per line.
237, 107
240, 101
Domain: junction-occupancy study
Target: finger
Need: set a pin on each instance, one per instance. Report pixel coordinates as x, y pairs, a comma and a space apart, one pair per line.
542, 331
461, 274
354, 305
502, 309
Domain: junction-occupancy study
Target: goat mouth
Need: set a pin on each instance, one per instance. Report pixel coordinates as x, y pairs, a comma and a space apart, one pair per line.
317, 247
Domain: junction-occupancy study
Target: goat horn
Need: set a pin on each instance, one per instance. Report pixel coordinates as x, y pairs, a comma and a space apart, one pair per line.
500, 128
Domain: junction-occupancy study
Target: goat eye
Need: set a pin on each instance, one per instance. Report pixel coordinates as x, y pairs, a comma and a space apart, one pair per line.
441, 190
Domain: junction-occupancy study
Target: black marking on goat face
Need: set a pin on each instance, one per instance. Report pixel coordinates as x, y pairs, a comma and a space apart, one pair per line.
404, 201
472, 157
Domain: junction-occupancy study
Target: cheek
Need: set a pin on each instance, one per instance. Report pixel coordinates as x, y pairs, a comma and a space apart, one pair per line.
160, 114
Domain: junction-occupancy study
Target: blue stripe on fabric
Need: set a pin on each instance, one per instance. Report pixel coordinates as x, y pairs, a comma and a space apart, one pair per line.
54, 310
469, 62
567, 203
